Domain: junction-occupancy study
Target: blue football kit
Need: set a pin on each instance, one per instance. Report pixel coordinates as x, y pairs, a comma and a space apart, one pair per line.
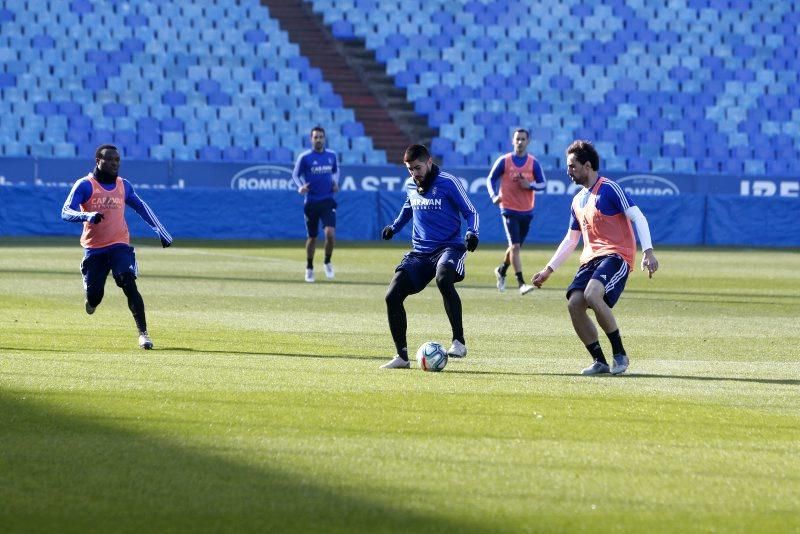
320, 170
436, 236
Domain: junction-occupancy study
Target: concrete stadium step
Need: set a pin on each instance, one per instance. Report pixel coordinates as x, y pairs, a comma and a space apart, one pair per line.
388, 118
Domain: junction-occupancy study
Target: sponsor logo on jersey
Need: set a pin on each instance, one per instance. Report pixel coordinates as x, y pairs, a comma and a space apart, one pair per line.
321, 169
106, 202
426, 203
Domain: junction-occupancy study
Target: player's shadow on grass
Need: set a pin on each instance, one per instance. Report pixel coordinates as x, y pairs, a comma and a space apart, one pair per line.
229, 279
28, 349
274, 353
628, 376
69, 458
712, 297
783, 381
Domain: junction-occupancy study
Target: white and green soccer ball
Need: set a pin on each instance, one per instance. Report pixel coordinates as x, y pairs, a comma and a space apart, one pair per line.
431, 356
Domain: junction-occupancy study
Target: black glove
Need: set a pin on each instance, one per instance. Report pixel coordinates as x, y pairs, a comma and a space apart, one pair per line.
387, 233
471, 241
165, 243
96, 218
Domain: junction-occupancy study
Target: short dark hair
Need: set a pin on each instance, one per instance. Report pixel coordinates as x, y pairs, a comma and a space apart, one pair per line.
318, 128
416, 153
99, 152
584, 151
521, 130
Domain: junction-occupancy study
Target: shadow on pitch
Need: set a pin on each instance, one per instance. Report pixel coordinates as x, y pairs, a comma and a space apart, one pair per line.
628, 376
20, 349
779, 381
274, 353
225, 278
68, 458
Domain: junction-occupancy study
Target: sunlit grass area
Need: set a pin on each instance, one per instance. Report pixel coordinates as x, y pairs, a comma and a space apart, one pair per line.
262, 407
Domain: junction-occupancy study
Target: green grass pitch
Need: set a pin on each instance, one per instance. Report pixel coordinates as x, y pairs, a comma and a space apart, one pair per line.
263, 408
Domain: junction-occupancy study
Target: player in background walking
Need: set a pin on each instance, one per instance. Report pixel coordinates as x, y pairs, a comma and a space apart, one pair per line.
98, 200
601, 213
316, 173
512, 183
435, 203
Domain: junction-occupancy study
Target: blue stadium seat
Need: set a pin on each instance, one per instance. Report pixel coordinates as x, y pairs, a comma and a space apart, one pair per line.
135, 151
64, 150
258, 153
282, 155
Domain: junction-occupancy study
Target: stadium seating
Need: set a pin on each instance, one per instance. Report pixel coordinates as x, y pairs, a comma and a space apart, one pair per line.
660, 86
689, 86
223, 84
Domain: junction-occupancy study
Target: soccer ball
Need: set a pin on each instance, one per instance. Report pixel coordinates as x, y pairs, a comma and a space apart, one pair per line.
431, 356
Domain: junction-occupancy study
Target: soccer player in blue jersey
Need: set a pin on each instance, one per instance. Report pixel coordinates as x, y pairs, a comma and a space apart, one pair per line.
435, 203
316, 173
601, 214
98, 201
512, 183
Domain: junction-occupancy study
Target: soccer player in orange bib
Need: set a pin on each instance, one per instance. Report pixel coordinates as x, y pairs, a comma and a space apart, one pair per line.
601, 213
512, 183
98, 200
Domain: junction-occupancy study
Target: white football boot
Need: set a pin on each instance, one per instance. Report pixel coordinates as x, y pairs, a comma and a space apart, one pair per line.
501, 280
524, 289
457, 350
397, 363
309, 275
329, 271
144, 341
619, 364
597, 368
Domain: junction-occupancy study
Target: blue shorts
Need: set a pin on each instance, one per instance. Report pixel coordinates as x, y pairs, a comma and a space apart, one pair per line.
421, 267
324, 210
118, 260
611, 271
516, 226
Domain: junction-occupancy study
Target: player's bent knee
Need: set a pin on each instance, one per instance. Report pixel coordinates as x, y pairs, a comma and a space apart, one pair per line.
95, 297
126, 281
576, 302
445, 276
594, 293
399, 289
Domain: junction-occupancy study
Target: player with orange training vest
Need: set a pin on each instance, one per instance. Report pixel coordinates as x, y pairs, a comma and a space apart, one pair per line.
512, 183
98, 200
601, 214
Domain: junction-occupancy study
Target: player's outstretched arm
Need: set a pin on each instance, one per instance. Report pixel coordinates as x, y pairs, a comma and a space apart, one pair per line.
563, 252
649, 261
139, 206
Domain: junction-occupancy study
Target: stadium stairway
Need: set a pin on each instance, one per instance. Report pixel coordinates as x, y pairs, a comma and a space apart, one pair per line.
388, 118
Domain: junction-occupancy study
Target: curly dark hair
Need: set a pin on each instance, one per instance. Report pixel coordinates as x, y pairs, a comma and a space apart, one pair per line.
584, 151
